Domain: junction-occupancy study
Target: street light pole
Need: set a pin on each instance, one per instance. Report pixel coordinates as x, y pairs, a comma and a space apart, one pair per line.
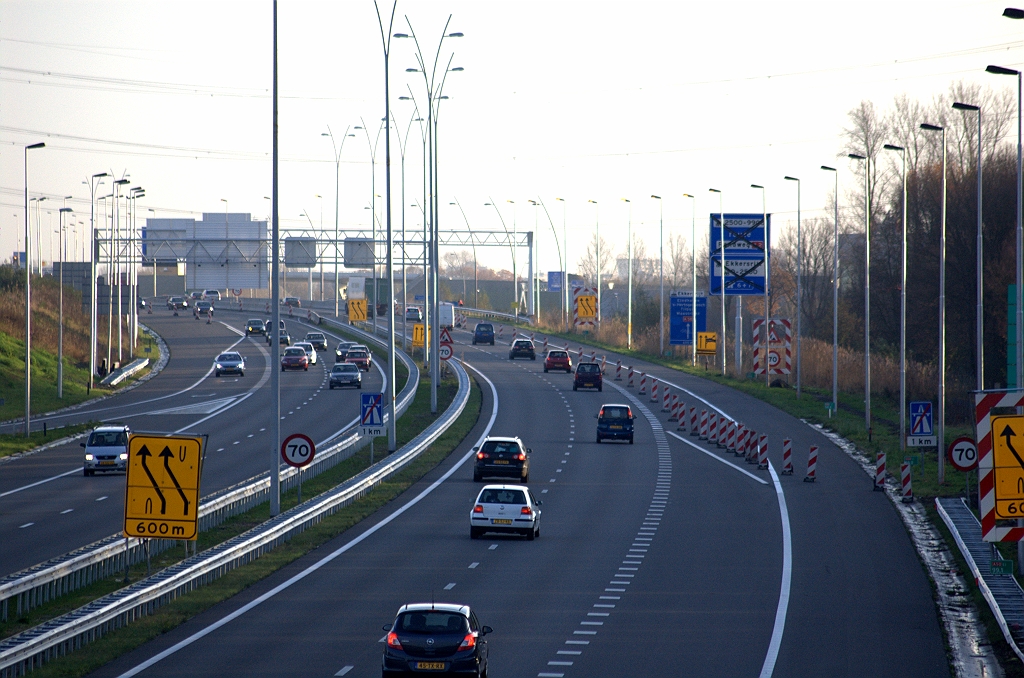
661, 273
61, 247
835, 296
629, 277
942, 312
93, 185
721, 247
28, 301
597, 264
337, 191
903, 303
799, 291
867, 290
979, 304
764, 332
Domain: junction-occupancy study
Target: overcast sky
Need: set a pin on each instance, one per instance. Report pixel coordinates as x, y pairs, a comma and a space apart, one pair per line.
575, 100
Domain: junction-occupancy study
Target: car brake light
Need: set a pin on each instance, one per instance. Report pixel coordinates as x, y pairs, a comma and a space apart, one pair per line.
521, 456
478, 509
468, 643
482, 455
526, 511
393, 641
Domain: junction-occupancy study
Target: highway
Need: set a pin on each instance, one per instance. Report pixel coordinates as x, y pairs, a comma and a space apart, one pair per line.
664, 558
47, 506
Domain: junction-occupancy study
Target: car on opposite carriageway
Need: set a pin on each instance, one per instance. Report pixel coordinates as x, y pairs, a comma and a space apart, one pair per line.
254, 326
106, 449
229, 362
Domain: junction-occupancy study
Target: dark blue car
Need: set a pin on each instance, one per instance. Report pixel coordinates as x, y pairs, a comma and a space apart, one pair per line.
483, 334
615, 422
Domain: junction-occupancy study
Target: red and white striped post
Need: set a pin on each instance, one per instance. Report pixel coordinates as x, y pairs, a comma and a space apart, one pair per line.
787, 457
751, 457
604, 362
682, 416
629, 376
812, 465
593, 356
654, 389
618, 370
762, 453
703, 435
741, 440
666, 400
908, 491
643, 384
694, 423
730, 440
501, 330
879, 473
673, 408
713, 428
545, 348
579, 354
513, 334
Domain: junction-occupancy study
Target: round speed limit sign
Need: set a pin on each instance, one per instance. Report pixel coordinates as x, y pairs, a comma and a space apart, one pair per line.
773, 358
297, 450
963, 454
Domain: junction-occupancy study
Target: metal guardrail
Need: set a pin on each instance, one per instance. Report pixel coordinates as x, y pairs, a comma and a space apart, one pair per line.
30, 649
21, 591
483, 313
120, 374
1002, 592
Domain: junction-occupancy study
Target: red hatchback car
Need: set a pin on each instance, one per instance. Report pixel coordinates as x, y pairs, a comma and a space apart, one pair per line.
558, 360
361, 357
294, 359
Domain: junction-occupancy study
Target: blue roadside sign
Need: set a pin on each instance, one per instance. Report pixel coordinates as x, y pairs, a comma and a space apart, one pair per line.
921, 419
371, 414
420, 297
747, 254
554, 281
681, 318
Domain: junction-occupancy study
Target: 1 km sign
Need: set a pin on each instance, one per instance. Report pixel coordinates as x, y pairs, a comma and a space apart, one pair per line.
162, 488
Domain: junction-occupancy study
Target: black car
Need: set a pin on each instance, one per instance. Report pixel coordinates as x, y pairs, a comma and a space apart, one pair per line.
341, 352
318, 340
615, 422
502, 457
254, 326
522, 348
175, 303
588, 375
435, 638
345, 374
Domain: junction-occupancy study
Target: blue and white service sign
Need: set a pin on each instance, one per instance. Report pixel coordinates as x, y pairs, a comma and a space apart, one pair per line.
922, 432
681, 318
747, 254
371, 414
554, 281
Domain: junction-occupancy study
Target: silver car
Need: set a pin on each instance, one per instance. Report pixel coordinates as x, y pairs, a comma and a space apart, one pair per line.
346, 374
107, 449
229, 362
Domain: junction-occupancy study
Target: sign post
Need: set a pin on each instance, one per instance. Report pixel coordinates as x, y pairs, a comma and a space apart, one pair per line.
297, 450
162, 487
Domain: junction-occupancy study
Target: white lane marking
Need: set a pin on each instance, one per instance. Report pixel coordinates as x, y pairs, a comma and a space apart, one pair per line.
543, 491
220, 449
584, 633
66, 511
597, 614
344, 670
717, 458
40, 482
473, 566
331, 556
101, 498
609, 597
787, 578
249, 436
550, 675
552, 480
22, 527
235, 443
570, 652
494, 546
577, 642
616, 590
262, 430
238, 401
604, 605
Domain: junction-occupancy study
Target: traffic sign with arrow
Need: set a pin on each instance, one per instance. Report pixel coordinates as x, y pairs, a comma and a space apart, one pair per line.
1008, 464
162, 488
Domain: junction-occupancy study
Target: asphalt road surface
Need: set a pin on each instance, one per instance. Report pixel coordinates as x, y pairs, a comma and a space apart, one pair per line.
665, 558
48, 507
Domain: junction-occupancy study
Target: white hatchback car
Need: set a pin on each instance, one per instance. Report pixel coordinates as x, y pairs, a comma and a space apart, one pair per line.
508, 509
107, 449
308, 348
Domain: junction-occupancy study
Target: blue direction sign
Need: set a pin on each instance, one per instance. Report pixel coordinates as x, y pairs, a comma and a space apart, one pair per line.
681, 318
420, 297
554, 281
371, 414
747, 254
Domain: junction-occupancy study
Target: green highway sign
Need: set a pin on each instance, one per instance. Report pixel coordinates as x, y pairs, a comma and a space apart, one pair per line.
1002, 567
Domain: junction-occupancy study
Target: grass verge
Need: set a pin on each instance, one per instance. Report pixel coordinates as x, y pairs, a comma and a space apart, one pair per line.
115, 644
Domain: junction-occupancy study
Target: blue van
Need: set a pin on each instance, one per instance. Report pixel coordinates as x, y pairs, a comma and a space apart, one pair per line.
483, 334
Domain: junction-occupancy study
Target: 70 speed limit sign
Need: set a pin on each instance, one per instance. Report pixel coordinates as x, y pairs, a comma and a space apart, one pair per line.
297, 450
963, 454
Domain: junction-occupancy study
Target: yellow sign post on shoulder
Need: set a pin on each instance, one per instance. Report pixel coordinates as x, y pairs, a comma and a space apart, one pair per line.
417, 335
356, 310
1008, 464
586, 306
162, 488
707, 343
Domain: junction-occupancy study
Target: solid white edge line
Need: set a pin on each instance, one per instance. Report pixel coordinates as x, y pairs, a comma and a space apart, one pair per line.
717, 458
326, 559
787, 577
40, 482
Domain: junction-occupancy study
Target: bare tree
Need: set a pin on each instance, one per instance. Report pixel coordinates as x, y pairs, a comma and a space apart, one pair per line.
587, 264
